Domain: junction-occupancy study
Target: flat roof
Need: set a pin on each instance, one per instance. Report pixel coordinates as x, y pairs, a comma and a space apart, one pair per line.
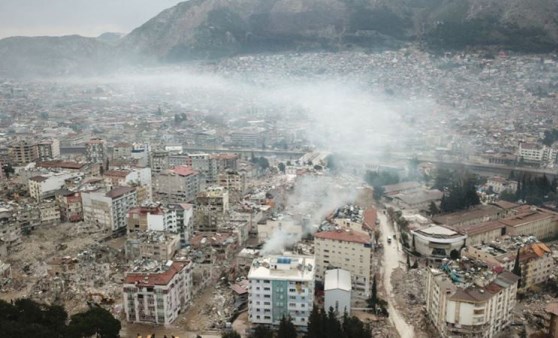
345, 235
296, 268
337, 279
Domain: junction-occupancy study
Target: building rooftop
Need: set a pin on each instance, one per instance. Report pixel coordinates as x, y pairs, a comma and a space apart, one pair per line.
394, 188
61, 164
296, 268
369, 218
345, 235
151, 273
528, 216
337, 279
478, 228
484, 211
117, 173
418, 197
119, 191
182, 170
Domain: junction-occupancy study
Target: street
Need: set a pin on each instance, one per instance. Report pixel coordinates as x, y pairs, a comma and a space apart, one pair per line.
393, 254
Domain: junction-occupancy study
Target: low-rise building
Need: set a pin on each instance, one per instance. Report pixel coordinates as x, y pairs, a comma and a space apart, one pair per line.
436, 242
532, 221
156, 293
337, 291
466, 300
418, 200
281, 287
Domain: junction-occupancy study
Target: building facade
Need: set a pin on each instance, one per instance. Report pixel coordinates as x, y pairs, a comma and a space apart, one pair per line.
461, 302
348, 250
156, 293
281, 287
109, 210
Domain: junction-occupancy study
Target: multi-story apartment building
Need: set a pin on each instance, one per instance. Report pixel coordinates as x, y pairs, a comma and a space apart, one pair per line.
49, 212
281, 287
159, 161
184, 215
211, 208
157, 245
180, 159
48, 149
121, 150
177, 185
96, 151
156, 292
135, 177
109, 210
531, 152
45, 185
535, 258
206, 165
71, 209
234, 182
345, 249
466, 300
23, 152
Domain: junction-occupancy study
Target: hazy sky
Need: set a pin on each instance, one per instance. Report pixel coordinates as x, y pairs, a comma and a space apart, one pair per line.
84, 17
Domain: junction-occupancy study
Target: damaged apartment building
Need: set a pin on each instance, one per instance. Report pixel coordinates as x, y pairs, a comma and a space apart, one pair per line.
156, 292
468, 299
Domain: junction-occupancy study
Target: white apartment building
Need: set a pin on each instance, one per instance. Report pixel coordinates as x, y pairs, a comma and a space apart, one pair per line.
156, 293
348, 250
43, 185
206, 165
465, 300
48, 149
130, 177
281, 286
109, 210
531, 152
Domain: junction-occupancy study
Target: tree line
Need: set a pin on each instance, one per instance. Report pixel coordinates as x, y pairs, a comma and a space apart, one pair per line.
27, 318
321, 324
459, 190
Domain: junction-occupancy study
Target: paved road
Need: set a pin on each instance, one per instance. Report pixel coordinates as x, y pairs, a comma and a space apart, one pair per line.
393, 255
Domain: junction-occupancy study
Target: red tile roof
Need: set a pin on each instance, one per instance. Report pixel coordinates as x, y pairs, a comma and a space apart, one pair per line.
119, 191
345, 236
61, 164
369, 218
183, 170
117, 173
152, 279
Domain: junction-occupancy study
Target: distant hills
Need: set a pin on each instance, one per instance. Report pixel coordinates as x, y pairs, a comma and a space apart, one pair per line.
214, 28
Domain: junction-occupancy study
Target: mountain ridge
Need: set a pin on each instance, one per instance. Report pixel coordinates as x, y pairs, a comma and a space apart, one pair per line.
202, 29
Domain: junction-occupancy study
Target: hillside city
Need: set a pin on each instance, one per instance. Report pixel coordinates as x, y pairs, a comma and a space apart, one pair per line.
357, 194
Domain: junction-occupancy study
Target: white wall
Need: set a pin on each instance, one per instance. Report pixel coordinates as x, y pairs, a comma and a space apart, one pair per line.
338, 297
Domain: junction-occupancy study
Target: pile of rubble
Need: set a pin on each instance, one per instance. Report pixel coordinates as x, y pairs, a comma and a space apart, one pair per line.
409, 290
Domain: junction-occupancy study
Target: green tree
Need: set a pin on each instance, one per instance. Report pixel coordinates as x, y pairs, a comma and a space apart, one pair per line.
506, 195
373, 300
332, 324
231, 334
262, 331
286, 329
281, 167
316, 322
95, 321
